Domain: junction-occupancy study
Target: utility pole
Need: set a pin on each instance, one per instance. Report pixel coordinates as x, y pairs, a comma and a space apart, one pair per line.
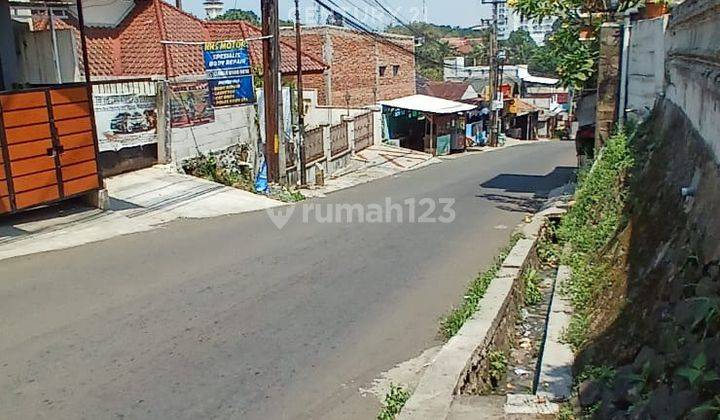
271, 67
493, 76
494, 72
300, 99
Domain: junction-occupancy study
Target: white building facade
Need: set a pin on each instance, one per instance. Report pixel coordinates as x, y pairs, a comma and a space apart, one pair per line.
510, 21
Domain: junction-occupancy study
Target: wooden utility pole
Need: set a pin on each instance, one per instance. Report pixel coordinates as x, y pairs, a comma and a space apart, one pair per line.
300, 99
271, 80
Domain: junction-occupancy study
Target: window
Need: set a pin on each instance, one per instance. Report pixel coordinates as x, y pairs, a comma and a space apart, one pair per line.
396, 70
382, 70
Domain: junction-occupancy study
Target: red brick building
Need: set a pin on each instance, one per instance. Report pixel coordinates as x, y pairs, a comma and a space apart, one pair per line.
362, 68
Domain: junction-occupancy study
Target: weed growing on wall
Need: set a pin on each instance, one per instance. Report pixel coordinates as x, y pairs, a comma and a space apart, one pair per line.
497, 367
589, 225
531, 280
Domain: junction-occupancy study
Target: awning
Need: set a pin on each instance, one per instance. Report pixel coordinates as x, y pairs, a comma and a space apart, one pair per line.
429, 104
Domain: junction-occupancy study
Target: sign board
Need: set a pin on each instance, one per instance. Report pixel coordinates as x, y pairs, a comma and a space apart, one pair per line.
229, 74
190, 104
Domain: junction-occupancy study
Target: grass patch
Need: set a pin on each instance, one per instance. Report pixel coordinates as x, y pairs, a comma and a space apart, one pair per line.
452, 322
394, 402
589, 225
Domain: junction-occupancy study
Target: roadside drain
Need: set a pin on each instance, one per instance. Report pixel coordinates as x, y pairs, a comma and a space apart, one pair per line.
527, 341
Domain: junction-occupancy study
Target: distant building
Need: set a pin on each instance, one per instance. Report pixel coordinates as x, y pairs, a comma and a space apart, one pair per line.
463, 46
510, 21
213, 8
452, 91
363, 69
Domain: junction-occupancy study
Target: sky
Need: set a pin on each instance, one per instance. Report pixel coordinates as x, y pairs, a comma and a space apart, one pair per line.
461, 13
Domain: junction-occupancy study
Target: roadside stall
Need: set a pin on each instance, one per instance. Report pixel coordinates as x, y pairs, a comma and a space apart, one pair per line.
522, 119
48, 139
426, 123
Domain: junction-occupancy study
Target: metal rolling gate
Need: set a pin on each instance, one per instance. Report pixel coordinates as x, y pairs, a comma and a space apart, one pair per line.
48, 147
363, 131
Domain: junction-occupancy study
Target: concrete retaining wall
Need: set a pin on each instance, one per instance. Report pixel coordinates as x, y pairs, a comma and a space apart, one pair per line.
232, 125
693, 66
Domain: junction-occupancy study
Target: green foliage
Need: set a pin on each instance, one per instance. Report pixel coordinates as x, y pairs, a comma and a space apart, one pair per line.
566, 412
575, 61
207, 166
239, 14
430, 55
698, 373
451, 323
394, 402
603, 374
531, 279
588, 227
519, 47
497, 367
576, 332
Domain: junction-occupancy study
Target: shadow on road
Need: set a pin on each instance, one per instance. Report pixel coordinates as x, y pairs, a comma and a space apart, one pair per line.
517, 187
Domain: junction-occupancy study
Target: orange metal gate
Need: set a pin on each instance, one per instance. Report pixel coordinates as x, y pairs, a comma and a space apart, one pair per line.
48, 147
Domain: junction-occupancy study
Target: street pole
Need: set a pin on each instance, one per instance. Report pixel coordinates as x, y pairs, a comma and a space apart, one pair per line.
493, 75
300, 99
271, 58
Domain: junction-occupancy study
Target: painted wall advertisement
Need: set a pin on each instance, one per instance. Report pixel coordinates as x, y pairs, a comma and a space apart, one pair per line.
190, 104
229, 74
125, 116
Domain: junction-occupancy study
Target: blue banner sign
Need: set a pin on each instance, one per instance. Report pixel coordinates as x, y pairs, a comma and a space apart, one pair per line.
228, 69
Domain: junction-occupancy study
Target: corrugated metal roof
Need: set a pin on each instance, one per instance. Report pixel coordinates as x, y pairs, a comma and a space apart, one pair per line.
429, 104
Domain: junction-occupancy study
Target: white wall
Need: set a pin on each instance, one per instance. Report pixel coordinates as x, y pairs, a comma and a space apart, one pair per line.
692, 69
232, 125
646, 66
36, 61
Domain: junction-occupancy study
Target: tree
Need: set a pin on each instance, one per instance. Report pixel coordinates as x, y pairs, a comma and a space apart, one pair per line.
519, 47
430, 55
576, 60
248, 16
239, 14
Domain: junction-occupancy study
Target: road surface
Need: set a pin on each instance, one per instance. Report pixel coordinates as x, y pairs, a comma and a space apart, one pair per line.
233, 318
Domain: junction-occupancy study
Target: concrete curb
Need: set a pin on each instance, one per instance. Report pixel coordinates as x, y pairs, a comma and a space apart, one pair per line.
442, 380
555, 380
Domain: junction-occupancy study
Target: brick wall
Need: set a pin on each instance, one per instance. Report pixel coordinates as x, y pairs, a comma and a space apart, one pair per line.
311, 81
354, 61
393, 86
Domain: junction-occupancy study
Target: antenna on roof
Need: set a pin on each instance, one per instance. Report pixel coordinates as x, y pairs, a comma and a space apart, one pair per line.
318, 15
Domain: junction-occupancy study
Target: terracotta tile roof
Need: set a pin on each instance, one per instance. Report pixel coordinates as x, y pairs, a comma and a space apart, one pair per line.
463, 46
452, 91
134, 49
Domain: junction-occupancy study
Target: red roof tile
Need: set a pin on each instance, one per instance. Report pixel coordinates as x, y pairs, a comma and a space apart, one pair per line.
134, 48
463, 46
452, 91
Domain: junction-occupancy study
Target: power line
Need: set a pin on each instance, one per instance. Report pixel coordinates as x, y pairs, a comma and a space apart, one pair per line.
355, 23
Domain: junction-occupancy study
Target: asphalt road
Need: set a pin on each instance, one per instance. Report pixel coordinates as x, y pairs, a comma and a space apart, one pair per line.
233, 318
